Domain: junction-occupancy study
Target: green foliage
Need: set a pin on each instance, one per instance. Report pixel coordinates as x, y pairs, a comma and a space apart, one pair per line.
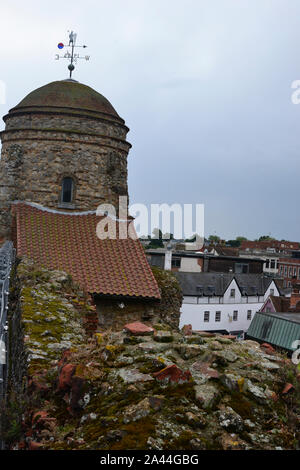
157, 240
233, 243
241, 239
264, 238
155, 244
214, 239
11, 415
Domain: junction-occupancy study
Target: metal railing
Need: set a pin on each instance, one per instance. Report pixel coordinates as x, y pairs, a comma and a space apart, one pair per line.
7, 258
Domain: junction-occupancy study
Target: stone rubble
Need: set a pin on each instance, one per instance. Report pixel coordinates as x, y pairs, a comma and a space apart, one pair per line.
191, 391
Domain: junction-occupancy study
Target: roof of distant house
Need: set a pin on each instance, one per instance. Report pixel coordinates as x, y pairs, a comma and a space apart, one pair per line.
226, 250
264, 244
278, 329
206, 283
199, 254
280, 303
68, 242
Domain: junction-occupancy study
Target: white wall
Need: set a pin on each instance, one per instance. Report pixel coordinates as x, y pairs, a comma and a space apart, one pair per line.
193, 308
189, 265
194, 314
268, 291
232, 300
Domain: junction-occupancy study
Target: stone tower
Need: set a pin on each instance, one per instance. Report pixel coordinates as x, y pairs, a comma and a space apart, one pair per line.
64, 147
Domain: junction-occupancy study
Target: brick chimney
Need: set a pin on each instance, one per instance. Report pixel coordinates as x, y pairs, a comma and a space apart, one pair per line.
295, 295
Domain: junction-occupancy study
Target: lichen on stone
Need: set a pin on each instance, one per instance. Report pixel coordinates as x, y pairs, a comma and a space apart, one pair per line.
116, 394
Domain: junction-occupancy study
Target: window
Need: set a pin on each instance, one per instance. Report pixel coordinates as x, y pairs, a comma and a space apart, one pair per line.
271, 291
285, 270
281, 270
241, 268
267, 263
199, 289
249, 314
218, 316
298, 273
67, 190
232, 293
206, 316
235, 315
290, 271
273, 262
176, 262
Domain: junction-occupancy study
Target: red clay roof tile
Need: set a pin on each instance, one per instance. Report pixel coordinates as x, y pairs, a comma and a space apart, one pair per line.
69, 243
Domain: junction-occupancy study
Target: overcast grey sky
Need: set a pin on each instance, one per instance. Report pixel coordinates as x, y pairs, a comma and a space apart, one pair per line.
204, 85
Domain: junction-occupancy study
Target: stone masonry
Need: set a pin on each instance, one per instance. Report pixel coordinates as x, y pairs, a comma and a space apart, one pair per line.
43, 143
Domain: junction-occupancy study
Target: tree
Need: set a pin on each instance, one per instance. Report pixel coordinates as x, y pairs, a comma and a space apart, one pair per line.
233, 243
265, 238
237, 242
156, 242
241, 239
214, 239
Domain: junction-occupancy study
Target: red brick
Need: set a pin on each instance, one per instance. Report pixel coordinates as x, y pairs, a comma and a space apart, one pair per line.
287, 388
65, 377
139, 329
187, 330
172, 374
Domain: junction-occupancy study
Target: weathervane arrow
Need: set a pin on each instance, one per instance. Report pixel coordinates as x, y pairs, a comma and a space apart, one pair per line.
70, 55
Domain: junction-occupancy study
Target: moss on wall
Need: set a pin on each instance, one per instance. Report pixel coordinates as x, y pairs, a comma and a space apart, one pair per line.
171, 296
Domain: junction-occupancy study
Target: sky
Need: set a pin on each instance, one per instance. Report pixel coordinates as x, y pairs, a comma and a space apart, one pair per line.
205, 87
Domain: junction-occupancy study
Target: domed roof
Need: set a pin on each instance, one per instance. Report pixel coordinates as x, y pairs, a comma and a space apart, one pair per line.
67, 94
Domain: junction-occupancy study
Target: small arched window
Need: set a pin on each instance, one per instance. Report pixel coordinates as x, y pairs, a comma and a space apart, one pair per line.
67, 190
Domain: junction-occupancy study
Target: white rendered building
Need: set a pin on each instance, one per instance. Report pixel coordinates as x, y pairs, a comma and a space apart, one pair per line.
223, 302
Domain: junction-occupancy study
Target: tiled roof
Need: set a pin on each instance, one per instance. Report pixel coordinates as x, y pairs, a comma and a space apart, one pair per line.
281, 304
217, 283
69, 242
226, 250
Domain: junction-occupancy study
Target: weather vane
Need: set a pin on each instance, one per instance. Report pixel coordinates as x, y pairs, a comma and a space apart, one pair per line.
70, 55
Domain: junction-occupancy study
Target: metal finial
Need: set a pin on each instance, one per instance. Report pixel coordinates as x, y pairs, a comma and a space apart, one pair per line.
70, 55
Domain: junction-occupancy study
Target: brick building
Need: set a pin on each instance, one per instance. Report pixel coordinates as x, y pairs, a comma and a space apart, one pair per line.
289, 269
278, 246
270, 251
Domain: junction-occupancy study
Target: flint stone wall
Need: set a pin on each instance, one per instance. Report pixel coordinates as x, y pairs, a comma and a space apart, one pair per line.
39, 150
114, 314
